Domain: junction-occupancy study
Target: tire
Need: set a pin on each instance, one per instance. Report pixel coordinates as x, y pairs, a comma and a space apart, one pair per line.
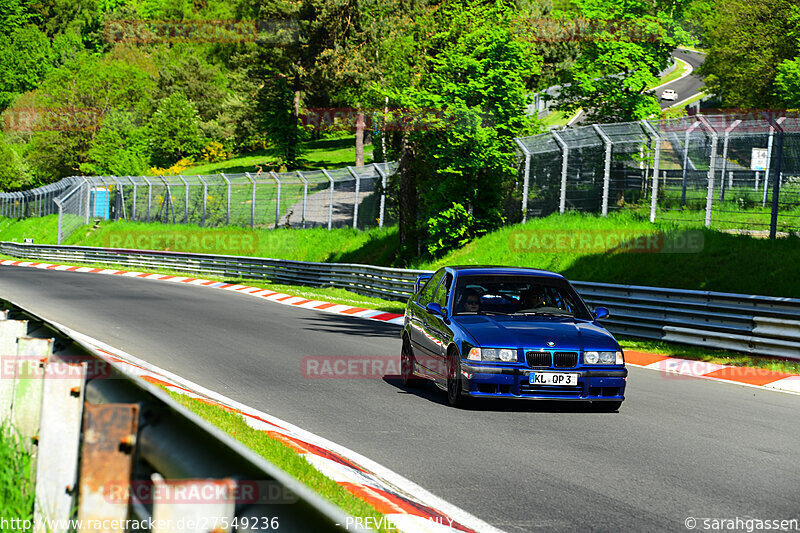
606, 407
407, 377
454, 384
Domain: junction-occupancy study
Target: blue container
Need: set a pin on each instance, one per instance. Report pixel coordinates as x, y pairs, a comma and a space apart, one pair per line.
98, 203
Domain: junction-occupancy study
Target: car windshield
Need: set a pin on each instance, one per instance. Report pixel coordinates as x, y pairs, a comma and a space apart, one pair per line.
517, 295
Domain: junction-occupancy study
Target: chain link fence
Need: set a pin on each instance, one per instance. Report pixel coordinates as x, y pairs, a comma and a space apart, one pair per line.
732, 172
345, 197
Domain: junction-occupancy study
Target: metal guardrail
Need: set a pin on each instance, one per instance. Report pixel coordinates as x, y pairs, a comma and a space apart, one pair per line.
109, 446
761, 325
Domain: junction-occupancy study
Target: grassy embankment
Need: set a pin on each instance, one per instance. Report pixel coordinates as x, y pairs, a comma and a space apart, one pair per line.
718, 267
16, 478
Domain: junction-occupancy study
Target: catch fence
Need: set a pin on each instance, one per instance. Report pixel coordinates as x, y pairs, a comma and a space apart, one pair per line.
345, 197
732, 171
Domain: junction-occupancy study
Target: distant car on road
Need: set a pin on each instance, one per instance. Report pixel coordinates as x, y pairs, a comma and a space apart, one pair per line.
505, 332
669, 94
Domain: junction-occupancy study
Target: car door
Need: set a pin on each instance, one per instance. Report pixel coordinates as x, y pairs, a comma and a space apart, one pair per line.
438, 330
419, 318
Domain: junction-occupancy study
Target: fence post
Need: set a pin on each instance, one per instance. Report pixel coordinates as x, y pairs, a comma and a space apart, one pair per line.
252, 200
330, 201
205, 200
757, 182
185, 199
168, 199
606, 168
305, 197
277, 198
383, 193
773, 126
686, 161
358, 190
133, 206
776, 178
525, 178
88, 199
711, 169
228, 202
725, 140
149, 196
656, 164
562, 203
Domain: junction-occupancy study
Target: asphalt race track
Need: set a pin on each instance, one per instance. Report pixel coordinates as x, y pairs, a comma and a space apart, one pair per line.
688, 86
678, 448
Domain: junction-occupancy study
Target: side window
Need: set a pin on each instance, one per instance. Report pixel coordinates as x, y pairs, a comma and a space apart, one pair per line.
444, 291
427, 292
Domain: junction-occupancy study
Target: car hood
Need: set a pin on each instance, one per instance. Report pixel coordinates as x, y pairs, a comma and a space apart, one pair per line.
498, 331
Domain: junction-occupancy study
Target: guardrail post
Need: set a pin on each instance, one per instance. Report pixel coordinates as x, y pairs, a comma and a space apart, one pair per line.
277, 198
26, 404
10, 331
305, 197
185, 199
686, 161
606, 168
205, 199
358, 191
107, 461
330, 201
711, 169
228, 203
562, 204
59, 442
525, 179
252, 200
656, 163
725, 140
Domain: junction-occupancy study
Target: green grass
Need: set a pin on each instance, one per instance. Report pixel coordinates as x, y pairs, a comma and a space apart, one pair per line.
770, 265
16, 477
674, 75
280, 455
326, 153
558, 118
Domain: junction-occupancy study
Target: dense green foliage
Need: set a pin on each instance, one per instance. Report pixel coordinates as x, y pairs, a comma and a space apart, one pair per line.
753, 51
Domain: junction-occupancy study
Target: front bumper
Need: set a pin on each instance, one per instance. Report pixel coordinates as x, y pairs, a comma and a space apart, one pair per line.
601, 384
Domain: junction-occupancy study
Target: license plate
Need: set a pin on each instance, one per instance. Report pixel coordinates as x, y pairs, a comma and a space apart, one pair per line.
545, 378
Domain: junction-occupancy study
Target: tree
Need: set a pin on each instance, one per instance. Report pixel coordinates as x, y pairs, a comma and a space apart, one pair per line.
747, 41
174, 130
787, 80
627, 44
466, 84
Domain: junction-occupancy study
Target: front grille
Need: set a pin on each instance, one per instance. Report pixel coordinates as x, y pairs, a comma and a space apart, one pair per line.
565, 359
538, 359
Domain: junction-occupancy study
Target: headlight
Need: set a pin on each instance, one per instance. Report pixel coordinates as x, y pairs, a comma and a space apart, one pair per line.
505, 355
603, 358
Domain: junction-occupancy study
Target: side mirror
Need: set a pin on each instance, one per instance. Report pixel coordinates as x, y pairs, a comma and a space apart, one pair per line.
436, 309
601, 312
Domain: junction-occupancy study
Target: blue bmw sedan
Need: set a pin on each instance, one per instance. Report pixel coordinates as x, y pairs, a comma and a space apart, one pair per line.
506, 332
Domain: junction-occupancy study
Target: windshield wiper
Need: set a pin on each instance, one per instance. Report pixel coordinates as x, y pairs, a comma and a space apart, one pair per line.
544, 313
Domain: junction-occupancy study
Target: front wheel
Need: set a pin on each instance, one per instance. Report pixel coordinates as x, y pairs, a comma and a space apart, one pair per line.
454, 387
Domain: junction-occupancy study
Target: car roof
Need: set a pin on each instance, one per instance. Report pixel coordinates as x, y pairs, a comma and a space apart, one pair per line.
503, 270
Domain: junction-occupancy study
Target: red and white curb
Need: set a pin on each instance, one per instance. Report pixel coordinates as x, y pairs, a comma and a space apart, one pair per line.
748, 376
278, 297
740, 375
407, 506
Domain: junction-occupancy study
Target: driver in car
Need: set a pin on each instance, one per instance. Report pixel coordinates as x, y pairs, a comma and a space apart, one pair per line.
534, 298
